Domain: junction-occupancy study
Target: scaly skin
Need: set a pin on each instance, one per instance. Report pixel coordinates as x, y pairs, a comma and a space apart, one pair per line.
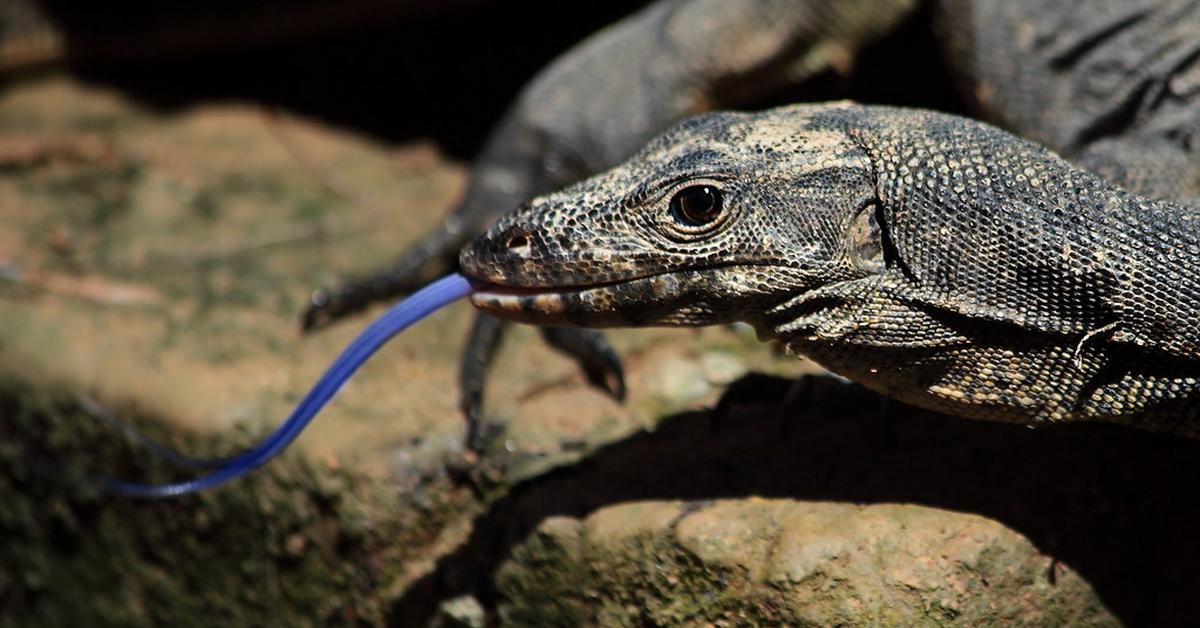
935, 259
595, 107
603, 100
1112, 85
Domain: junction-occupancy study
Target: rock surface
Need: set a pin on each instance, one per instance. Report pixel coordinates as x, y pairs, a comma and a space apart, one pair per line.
781, 562
152, 266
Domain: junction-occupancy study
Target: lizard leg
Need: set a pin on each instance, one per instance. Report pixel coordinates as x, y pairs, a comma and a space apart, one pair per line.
597, 105
482, 344
594, 354
433, 256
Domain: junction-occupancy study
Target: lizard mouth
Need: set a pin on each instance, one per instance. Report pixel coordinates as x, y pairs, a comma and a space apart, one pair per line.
683, 296
593, 304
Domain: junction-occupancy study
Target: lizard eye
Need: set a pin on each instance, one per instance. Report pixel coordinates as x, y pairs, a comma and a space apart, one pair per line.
696, 205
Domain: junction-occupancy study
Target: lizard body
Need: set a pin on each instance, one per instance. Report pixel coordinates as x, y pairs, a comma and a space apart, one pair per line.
935, 259
1112, 85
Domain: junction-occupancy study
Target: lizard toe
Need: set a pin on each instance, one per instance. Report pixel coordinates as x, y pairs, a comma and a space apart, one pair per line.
592, 351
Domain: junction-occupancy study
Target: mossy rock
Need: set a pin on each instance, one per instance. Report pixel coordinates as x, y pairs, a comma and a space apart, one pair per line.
780, 562
153, 266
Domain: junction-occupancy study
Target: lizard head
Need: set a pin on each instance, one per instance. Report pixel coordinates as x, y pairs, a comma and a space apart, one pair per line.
720, 218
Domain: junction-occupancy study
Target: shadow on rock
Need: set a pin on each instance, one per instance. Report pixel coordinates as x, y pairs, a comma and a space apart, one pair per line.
1115, 504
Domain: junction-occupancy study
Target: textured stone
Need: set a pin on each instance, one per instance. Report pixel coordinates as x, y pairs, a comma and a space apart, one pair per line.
759, 562
152, 268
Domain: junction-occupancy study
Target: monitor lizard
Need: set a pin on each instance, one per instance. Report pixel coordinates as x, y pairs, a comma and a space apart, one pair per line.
1112, 85
935, 259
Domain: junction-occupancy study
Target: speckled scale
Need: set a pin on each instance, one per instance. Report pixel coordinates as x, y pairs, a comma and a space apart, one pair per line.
936, 259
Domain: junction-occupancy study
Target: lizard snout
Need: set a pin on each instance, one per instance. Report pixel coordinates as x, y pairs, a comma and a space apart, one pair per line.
503, 254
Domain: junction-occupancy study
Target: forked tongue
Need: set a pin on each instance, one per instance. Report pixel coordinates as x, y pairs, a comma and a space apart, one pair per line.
416, 307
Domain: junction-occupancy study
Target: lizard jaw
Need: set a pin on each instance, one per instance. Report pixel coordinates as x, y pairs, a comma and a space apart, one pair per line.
592, 305
522, 304
684, 297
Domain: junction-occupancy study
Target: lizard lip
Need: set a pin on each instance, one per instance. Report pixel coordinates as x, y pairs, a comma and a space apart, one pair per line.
628, 301
487, 287
483, 285
523, 304
553, 304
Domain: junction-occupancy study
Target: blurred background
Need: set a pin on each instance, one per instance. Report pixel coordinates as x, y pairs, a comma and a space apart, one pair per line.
175, 179
398, 70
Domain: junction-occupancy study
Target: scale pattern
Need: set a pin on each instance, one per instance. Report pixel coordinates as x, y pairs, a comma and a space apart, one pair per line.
938, 260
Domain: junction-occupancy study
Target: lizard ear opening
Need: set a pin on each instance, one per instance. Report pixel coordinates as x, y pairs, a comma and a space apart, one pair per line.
869, 240
864, 241
891, 254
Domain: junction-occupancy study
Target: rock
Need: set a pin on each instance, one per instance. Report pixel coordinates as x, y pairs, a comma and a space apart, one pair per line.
721, 368
461, 612
776, 562
682, 382
152, 267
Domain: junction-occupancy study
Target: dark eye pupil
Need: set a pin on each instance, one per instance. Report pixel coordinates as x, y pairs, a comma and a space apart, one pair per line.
697, 205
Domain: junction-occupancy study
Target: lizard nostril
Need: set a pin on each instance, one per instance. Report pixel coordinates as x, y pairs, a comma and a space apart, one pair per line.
518, 243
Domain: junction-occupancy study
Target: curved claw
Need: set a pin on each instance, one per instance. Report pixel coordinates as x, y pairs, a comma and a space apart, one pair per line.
595, 356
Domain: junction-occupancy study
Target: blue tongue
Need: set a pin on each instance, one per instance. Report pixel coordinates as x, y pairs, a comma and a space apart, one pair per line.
416, 307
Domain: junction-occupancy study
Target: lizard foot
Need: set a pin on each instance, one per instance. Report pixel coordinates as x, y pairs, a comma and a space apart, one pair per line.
328, 305
594, 354
588, 347
434, 256
482, 344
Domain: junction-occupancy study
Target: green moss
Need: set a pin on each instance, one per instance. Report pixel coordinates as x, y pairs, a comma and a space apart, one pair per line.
290, 544
95, 195
205, 204
311, 209
553, 579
